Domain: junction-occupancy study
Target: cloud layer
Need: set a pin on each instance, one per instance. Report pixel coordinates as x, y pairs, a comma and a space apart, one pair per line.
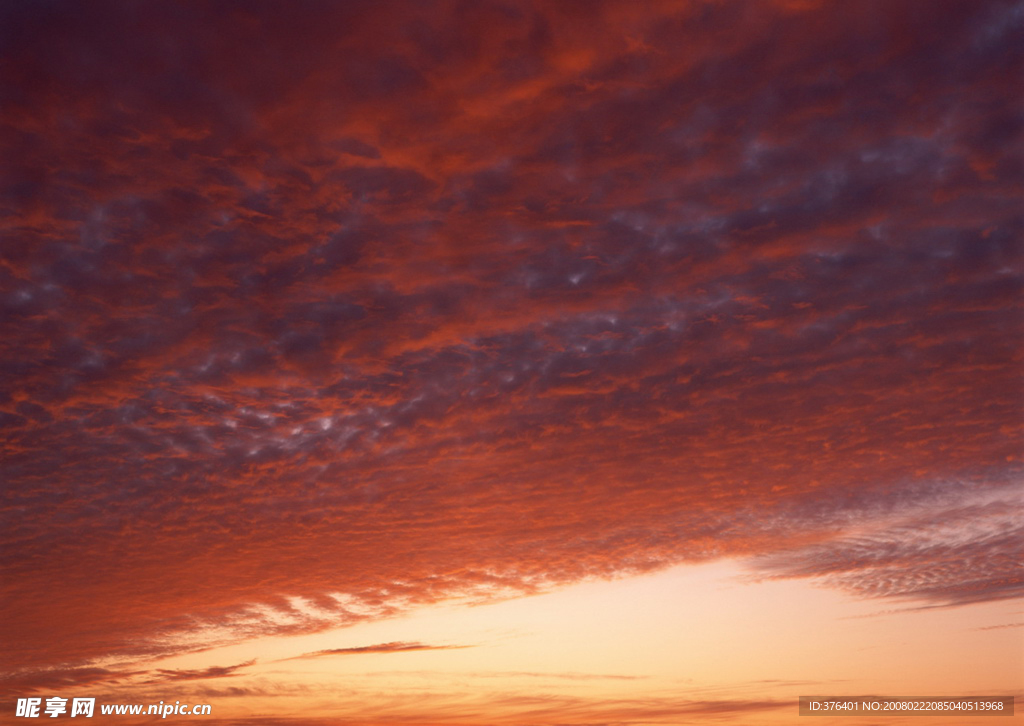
309, 314
393, 647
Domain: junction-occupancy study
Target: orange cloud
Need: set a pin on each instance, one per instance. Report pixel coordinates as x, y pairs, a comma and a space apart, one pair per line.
396, 647
438, 302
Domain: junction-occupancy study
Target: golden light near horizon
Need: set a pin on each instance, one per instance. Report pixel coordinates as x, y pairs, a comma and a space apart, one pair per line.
704, 634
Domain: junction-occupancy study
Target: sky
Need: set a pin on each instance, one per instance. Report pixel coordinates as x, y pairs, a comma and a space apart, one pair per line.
553, 362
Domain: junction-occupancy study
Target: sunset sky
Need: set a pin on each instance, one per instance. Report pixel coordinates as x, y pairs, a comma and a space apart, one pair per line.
480, 363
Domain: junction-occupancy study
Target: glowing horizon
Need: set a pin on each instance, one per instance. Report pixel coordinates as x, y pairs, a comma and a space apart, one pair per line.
691, 641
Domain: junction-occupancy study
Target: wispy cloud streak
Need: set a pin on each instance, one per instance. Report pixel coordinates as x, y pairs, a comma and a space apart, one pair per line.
395, 647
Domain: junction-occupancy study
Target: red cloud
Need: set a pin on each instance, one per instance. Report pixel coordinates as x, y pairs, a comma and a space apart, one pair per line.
429, 302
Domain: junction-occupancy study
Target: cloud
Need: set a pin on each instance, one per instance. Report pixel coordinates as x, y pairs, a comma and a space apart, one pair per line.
564, 676
944, 555
163, 675
56, 678
395, 647
548, 711
447, 302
